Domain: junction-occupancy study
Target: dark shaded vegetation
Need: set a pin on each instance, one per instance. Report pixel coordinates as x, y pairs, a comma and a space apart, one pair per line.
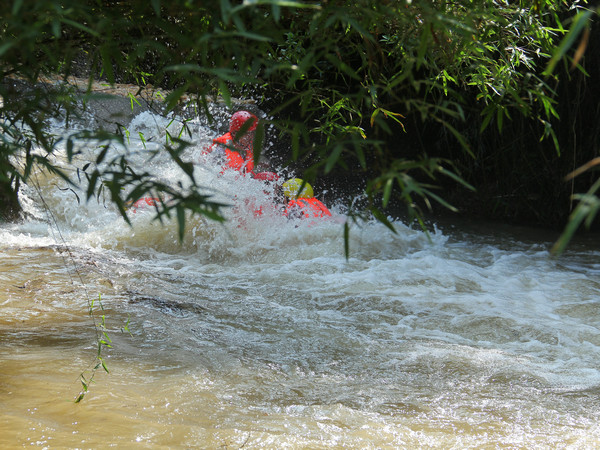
520, 178
415, 103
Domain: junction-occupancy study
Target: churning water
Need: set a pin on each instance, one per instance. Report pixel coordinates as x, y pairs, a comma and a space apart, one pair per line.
260, 334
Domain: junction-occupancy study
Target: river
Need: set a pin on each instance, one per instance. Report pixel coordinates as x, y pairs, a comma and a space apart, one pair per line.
260, 334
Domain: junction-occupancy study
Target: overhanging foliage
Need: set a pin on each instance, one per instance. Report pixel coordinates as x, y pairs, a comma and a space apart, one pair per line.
342, 80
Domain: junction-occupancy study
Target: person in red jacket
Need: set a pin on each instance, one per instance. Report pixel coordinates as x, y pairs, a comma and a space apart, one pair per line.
302, 204
237, 144
237, 147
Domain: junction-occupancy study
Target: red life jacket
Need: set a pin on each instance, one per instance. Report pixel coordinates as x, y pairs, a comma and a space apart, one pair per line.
306, 208
234, 159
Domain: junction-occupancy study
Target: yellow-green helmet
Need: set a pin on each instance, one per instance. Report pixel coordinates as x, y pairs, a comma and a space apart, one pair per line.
292, 187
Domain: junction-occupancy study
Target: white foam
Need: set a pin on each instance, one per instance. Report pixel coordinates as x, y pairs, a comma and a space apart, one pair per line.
500, 305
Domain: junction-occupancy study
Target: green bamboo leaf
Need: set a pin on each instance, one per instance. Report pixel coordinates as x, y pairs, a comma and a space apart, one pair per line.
5, 46
300, 70
374, 115
174, 97
224, 91
424, 45
500, 120
586, 210
576, 218
156, 6
225, 10
106, 336
133, 100
126, 327
16, 7
333, 59
276, 11
241, 33
333, 158
346, 240
181, 221
461, 139
210, 214
259, 137
387, 191
296, 141
56, 28
359, 28
582, 20
360, 154
280, 3
440, 200
487, 117
237, 20
455, 177
80, 26
381, 217
107, 64
70, 149
595, 206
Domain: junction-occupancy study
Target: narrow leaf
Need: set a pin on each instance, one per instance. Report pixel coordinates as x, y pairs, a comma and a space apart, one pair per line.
381, 217
581, 20
181, 221
346, 240
156, 6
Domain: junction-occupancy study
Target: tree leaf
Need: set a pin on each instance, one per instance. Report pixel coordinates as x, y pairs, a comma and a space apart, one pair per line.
580, 22
156, 6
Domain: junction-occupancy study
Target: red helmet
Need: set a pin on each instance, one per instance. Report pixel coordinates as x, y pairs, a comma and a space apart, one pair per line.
238, 119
